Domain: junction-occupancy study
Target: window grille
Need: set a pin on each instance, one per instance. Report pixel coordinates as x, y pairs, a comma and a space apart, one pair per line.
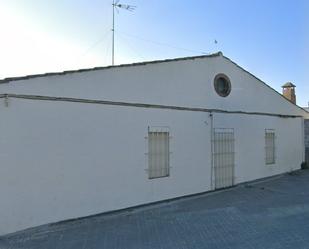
270, 149
158, 153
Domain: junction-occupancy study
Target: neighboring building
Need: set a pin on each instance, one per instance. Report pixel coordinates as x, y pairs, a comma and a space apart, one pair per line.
83, 142
307, 137
288, 91
307, 141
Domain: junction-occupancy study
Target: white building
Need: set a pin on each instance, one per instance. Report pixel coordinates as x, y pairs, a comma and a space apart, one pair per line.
84, 142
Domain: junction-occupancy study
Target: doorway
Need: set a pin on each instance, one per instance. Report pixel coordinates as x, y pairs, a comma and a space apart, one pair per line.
223, 157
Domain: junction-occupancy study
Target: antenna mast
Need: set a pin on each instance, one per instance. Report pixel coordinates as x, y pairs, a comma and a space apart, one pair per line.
117, 5
113, 30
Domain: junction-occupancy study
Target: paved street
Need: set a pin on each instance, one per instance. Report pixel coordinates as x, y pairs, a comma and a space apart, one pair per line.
269, 214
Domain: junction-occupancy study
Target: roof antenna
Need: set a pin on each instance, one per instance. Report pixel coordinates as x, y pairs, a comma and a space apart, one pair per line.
116, 5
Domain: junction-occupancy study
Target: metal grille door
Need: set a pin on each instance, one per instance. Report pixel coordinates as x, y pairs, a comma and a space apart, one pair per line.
223, 157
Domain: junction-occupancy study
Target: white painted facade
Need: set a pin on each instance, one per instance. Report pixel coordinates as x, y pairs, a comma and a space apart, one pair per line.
63, 160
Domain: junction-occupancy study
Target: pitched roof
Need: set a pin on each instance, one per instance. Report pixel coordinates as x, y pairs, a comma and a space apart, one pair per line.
7, 80
288, 84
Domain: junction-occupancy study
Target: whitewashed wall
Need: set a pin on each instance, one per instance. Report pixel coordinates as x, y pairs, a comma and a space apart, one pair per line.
67, 160
186, 83
250, 144
61, 160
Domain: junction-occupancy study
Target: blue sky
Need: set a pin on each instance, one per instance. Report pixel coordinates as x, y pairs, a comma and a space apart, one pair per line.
268, 38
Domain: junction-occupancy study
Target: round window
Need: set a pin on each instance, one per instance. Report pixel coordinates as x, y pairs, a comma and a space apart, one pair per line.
222, 85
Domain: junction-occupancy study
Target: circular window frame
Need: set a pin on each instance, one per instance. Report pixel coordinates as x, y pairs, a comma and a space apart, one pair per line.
227, 79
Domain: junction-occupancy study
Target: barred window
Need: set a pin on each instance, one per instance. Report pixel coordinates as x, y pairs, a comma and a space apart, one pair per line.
270, 148
158, 153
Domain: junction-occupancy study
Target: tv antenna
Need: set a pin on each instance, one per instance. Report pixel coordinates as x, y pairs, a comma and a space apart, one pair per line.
116, 6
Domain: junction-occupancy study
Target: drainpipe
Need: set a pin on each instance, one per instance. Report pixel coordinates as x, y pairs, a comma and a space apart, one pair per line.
6, 100
212, 150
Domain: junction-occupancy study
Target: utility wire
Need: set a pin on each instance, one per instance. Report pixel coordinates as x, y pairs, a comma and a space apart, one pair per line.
95, 44
161, 43
123, 34
107, 53
129, 45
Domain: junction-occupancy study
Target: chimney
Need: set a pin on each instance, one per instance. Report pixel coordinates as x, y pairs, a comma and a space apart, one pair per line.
288, 91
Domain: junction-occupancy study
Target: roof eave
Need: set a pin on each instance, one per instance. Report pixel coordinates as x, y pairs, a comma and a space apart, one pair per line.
9, 79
